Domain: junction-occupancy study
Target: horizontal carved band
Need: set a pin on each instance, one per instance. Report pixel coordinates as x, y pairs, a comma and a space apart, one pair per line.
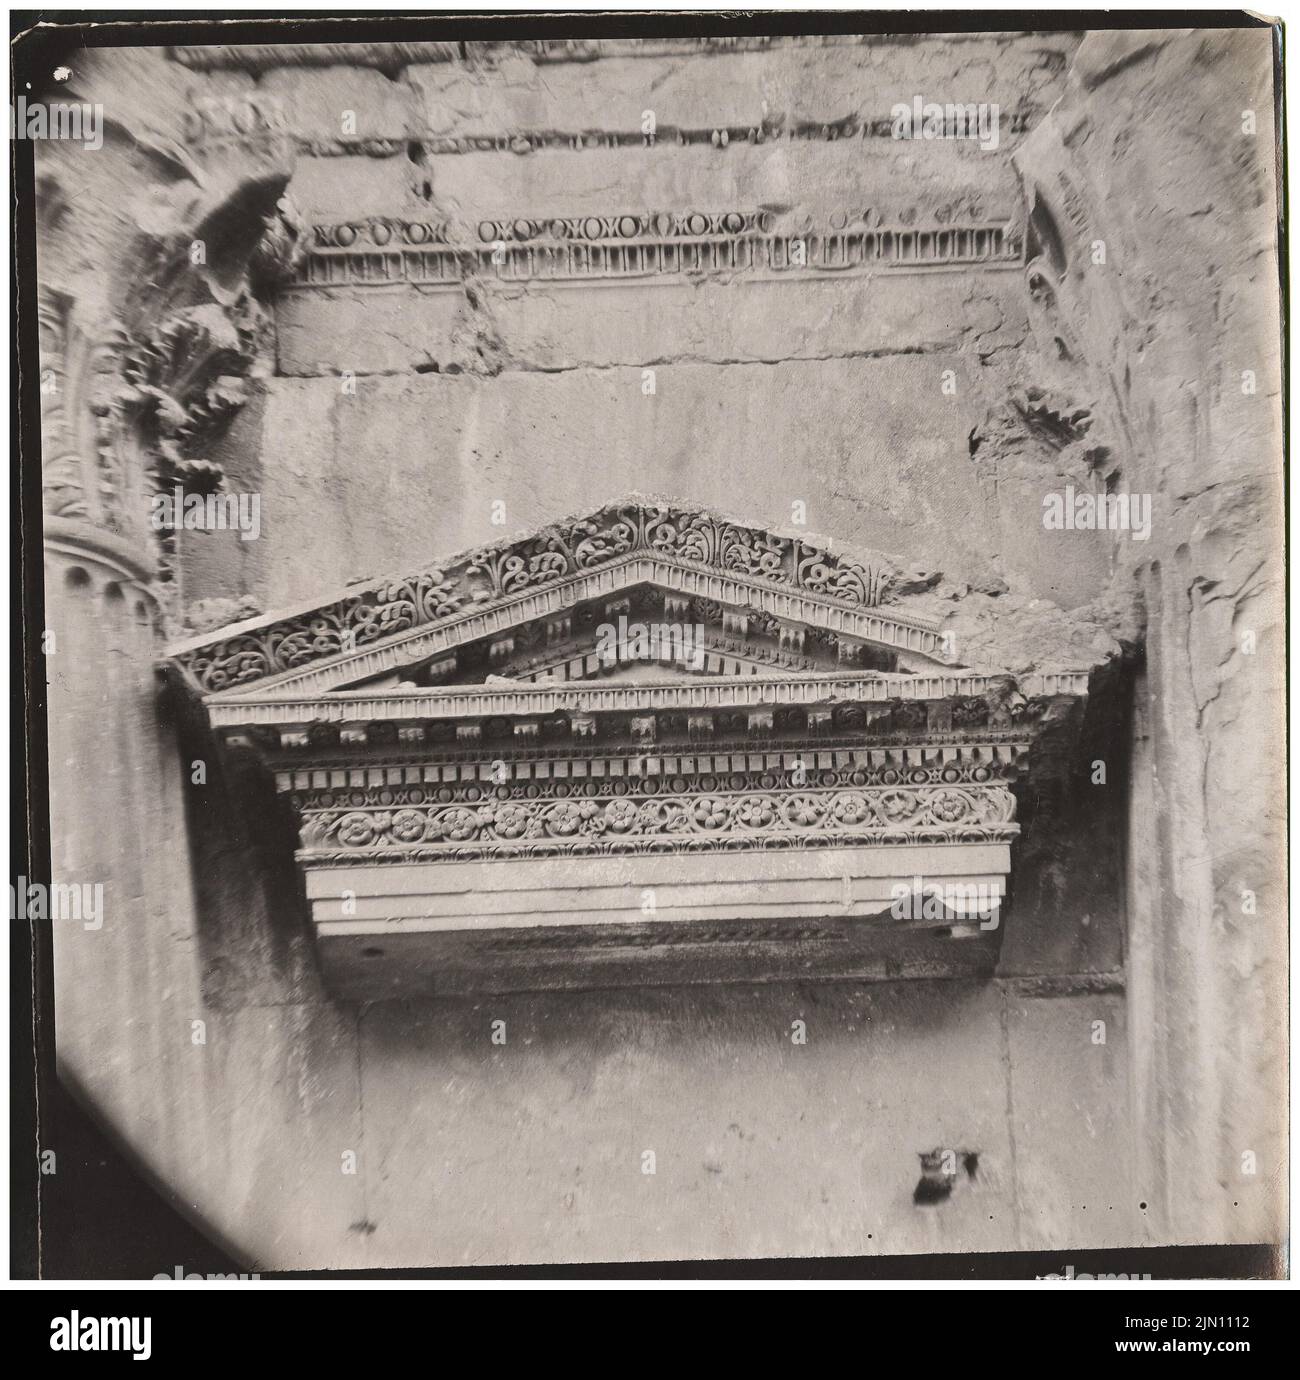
652, 227
536, 140
718, 136
581, 698
699, 778
624, 937
546, 775
392, 57
377, 253
520, 825
648, 846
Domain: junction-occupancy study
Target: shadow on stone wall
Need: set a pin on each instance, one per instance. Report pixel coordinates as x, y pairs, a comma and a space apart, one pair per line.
1065, 897
251, 909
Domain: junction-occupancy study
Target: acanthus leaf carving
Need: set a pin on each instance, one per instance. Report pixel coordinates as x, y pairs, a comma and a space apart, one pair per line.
131, 404
485, 577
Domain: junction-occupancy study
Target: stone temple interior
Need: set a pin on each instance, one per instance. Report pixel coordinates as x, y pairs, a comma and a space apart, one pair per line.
594, 743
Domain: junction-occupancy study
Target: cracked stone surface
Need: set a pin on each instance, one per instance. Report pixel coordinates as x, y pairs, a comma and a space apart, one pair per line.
923, 413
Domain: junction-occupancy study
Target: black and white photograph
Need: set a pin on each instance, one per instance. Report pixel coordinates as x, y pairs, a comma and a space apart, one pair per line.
649, 642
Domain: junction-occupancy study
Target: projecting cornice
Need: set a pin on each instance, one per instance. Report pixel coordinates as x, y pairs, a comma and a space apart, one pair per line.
473, 703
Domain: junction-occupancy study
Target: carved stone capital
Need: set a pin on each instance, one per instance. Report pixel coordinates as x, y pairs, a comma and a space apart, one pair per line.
137, 385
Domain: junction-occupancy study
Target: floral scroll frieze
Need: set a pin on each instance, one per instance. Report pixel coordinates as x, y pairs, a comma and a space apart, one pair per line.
686, 538
675, 822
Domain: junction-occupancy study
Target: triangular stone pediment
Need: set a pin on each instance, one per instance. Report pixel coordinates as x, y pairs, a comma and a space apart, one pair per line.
491, 756
647, 635
538, 610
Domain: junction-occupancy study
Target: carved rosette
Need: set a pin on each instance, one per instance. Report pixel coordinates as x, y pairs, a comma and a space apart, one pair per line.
685, 815
655, 247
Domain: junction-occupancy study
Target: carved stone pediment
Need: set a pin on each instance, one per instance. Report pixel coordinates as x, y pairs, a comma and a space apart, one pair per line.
492, 762
699, 568
643, 634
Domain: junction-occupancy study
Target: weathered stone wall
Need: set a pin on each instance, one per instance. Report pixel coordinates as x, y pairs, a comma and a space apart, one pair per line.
1162, 147
390, 419
547, 387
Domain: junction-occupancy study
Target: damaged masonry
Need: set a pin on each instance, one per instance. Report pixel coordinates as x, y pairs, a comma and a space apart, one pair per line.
643, 658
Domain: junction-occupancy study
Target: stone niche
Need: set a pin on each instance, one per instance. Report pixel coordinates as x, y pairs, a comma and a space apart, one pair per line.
652, 745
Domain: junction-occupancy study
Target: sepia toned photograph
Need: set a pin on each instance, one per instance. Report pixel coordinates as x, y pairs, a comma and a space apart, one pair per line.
651, 641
